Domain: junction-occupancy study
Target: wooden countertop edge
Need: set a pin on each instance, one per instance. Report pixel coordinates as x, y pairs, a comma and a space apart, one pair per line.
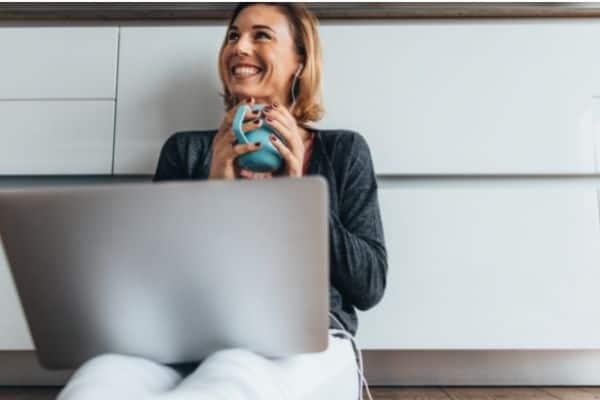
221, 11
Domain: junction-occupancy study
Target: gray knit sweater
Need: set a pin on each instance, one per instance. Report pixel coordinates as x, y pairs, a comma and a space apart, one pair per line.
358, 257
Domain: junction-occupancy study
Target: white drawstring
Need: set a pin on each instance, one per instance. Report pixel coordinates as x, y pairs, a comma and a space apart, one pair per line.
293, 85
362, 379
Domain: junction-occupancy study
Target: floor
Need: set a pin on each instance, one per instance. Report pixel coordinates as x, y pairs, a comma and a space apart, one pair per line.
407, 393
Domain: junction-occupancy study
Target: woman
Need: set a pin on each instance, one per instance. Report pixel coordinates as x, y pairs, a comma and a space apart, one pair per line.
270, 55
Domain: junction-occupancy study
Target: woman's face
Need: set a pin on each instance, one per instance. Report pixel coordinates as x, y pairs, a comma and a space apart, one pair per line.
259, 58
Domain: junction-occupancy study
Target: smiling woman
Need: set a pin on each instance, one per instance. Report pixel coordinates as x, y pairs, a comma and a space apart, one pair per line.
282, 41
271, 56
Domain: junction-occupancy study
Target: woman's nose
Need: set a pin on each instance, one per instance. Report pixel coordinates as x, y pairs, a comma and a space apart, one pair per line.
243, 45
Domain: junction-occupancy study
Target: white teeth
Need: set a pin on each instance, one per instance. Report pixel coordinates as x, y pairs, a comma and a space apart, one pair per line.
245, 71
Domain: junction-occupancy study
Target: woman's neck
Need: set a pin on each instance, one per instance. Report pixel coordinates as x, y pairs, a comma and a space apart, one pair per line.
306, 134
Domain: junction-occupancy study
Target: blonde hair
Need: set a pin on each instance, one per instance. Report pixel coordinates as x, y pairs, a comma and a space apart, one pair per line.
307, 90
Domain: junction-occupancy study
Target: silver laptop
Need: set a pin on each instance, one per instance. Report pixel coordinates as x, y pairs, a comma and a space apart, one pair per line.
171, 271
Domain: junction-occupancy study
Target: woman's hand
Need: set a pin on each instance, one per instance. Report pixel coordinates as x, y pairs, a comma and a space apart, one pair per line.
224, 152
278, 117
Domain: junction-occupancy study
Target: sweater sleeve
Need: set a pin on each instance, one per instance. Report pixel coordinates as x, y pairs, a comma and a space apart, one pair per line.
170, 165
360, 265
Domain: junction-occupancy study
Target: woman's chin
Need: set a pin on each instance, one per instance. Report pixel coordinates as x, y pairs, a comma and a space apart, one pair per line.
244, 94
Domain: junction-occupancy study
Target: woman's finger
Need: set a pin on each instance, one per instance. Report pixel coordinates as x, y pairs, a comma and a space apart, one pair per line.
292, 162
283, 114
251, 125
240, 149
231, 139
248, 116
286, 120
293, 142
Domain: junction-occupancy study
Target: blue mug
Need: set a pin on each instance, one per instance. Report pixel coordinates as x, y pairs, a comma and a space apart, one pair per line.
265, 159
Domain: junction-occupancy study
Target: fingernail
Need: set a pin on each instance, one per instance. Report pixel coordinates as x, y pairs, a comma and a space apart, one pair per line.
257, 121
275, 104
255, 112
248, 99
257, 144
269, 119
273, 137
267, 109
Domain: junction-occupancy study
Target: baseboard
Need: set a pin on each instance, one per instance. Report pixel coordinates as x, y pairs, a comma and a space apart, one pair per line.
482, 367
403, 368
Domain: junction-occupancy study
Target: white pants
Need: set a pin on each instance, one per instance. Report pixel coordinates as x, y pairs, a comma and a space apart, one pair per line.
232, 374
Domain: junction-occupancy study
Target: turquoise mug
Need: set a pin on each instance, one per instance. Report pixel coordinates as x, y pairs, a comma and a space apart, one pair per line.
265, 159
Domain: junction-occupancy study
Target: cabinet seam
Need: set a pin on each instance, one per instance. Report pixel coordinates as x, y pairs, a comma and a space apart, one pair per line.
118, 63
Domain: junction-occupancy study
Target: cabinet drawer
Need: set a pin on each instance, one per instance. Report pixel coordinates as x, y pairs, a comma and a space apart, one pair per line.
454, 97
56, 137
489, 268
70, 62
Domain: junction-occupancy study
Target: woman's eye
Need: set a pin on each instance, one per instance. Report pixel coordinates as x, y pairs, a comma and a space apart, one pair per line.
263, 34
234, 35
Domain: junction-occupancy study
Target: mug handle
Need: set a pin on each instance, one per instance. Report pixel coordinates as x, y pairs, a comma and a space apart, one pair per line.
236, 125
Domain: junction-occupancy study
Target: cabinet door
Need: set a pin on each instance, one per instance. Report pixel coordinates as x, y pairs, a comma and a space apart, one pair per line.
168, 81
58, 62
488, 268
478, 96
448, 97
56, 137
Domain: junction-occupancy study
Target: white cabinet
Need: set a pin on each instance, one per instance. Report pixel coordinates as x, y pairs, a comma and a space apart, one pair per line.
431, 97
488, 268
168, 81
473, 97
58, 62
57, 91
500, 266
56, 137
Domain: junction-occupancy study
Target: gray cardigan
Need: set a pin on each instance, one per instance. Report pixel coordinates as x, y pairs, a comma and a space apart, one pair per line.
358, 257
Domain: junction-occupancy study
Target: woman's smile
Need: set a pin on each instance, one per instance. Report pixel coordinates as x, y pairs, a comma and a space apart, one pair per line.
243, 72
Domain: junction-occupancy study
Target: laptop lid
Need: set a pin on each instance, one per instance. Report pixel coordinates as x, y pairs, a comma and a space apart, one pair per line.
171, 271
